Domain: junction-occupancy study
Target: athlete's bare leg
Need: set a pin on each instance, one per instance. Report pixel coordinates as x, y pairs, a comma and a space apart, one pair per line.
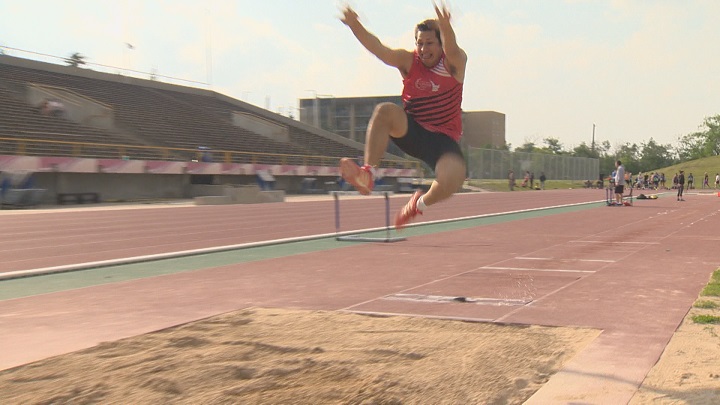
449, 177
388, 120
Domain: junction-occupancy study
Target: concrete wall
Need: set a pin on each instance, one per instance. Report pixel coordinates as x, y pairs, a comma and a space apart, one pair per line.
261, 126
114, 187
80, 109
133, 187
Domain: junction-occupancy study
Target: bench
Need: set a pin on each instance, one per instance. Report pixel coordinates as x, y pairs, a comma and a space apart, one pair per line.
18, 198
78, 198
265, 180
308, 185
406, 185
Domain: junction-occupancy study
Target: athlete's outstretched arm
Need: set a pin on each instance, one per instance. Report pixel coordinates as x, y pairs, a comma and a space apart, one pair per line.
399, 58
455, 56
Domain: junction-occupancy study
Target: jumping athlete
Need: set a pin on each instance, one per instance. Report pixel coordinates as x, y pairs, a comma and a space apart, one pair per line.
429, 125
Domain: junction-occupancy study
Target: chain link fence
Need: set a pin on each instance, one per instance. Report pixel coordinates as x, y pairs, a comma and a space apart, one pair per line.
495, 164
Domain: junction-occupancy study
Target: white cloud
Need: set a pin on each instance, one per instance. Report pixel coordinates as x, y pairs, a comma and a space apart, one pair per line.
638, 69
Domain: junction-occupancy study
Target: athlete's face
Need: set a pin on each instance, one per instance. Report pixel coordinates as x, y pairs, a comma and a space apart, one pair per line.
428, 47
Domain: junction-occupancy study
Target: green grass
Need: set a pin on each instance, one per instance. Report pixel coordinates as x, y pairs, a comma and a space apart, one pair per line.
713, 287
706, 319
704, 304
502, 185
696, 167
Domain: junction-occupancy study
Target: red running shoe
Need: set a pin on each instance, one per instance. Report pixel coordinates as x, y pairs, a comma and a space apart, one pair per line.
408, 212
360, 177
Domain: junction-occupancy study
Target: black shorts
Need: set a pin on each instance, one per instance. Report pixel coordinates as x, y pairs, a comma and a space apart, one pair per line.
619, 189
425, 145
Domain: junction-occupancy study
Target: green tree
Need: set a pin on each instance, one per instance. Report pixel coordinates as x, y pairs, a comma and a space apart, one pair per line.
629, 155
655, 156
528, 147
553, 146
711, 144
690, 146
603, 147
75, 60
704, 143
607, 160
583, 150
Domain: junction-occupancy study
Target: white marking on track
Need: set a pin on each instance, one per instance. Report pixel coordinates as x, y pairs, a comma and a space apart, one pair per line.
541, 270
565, 260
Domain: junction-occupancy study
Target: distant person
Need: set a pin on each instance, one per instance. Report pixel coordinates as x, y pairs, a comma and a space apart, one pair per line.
619, 182
705, 181
43, 108
680, 185
429, 125
52, 108
4, 185
639, 182
205, 154
526, 179
690, 181
511, 180
542, 180
532, 180
717, 180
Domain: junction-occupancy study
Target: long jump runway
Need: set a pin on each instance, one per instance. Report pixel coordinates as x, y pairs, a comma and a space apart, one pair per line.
557, 257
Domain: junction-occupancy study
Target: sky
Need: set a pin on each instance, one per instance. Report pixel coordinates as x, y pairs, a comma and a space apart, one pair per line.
627, 70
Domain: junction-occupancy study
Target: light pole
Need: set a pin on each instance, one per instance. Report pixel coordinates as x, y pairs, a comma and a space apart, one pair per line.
593, 139
128, 55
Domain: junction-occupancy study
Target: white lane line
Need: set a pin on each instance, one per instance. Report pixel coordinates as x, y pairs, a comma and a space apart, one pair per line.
564, 260
169, 255
540, 270
615, 242
459, 299
389, 314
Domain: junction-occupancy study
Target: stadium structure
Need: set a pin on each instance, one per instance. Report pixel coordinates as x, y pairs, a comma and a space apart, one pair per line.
80, 131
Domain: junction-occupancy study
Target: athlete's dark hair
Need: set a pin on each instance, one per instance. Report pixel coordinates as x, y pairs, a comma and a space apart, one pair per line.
428, 25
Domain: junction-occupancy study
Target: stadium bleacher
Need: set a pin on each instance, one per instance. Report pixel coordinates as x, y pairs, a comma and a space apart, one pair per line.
147, 113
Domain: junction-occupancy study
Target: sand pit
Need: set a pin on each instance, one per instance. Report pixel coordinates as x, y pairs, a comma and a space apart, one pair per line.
278, 356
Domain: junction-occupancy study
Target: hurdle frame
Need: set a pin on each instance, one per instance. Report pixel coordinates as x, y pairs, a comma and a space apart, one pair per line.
358, 238
610, 197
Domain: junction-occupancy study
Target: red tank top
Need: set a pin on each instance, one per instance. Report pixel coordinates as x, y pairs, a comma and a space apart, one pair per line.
433, 97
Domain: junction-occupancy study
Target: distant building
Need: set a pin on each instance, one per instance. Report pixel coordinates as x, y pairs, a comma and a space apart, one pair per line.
484, 128
349, 117
345, 116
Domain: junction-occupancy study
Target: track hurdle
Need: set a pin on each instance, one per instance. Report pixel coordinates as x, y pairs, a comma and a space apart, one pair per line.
358, 238
627, 199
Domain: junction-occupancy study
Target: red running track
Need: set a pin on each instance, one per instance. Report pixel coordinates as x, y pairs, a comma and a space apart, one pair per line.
609, 268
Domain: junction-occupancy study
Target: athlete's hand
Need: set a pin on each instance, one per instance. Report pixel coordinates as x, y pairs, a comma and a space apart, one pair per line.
349, 17
443, 14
